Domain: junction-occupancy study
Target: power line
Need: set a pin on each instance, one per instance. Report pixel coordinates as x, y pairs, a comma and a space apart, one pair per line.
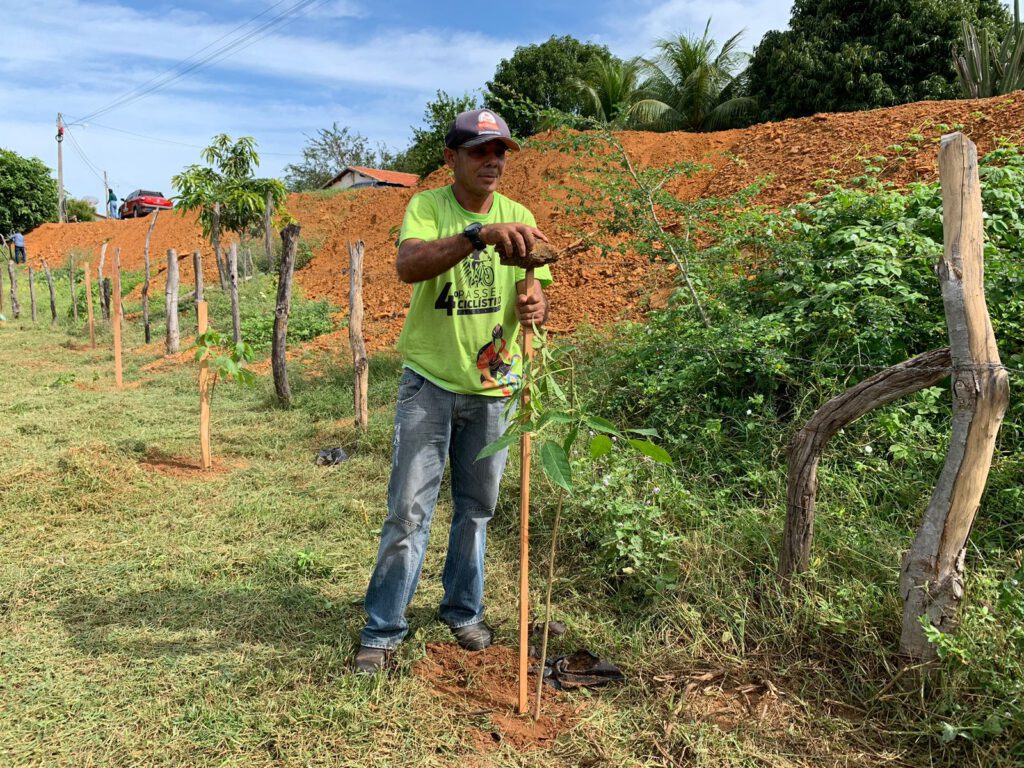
158, 140
81, 153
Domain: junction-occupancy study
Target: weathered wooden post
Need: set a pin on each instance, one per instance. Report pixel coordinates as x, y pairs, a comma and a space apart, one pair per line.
53, 294
104, 303
15, 306
71, 280
290, 244
116, 319
360, 364
145, 280
268, 241
171, 296
204, 391
197, 268
32, 292
236, 319
1, 290
215, 239
932, 579
88, 305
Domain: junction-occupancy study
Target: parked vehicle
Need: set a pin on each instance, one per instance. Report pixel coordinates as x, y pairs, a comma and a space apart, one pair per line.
143, 201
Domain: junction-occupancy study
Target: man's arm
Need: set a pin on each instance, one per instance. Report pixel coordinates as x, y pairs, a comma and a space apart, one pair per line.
532, 309
423, 259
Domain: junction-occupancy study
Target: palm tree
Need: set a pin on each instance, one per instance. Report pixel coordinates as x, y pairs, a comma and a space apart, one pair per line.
612, 91
690, 83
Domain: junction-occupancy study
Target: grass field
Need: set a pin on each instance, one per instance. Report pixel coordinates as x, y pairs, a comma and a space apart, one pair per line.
155, 615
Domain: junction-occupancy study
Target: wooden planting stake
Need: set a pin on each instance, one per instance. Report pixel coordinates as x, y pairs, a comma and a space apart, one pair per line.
116, 320
32, 291
278, 346
145, 280
197, 268
15, 306
236, 319
104, 304
1, 290
117, 266
88, 304
204, 392
171, 295
524, 523
53, 294
360, 364
71, 280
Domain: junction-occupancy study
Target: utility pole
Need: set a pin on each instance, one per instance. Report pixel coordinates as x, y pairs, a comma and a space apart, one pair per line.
61, 209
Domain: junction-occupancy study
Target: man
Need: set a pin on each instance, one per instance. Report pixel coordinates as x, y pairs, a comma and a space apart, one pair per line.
460, 344
112, 204
19, 248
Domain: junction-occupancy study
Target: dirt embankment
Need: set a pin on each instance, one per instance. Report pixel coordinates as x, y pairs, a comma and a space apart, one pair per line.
589, 287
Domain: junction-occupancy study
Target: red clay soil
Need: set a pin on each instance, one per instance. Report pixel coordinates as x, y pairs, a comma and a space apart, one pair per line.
793, 154
484, 688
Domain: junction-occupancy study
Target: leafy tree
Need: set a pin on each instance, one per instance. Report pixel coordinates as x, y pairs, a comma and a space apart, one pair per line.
539, 77
611, 92
426, 154
80, 210
328, 152
28, 194
693, 83
227, 180
841, 55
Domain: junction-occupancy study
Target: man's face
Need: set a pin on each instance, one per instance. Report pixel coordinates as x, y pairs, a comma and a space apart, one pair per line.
478, 169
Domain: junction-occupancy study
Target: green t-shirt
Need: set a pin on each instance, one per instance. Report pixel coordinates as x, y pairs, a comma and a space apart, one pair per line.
461, 331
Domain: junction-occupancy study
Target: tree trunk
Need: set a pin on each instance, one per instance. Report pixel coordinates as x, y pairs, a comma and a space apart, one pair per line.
268, 228
71, 280
197, 268
104, 304
15, 306
173, 338
360, 364
145, 281
808, 444
215, 239
236, 320
932, 580
289, 246
53, 294
32, 292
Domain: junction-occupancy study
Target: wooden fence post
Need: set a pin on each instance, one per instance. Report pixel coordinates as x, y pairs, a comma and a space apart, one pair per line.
53, 294
71, 280
104, 304
115, 320
360, 364
215, 239
15, 306
145, 280
290, 244
197, 268
1, 290
204, 391
932, 579
32, 292
88, 305
173, 339
236, 320
268, 241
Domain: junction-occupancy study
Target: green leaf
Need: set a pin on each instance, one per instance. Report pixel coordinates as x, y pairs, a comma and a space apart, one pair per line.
556, 464
646, 431
500, 444
599, 446
602, 425
656, 452
569, 440
553, 417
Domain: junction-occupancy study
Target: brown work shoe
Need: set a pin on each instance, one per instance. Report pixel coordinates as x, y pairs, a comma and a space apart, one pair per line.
370, 661
474, 637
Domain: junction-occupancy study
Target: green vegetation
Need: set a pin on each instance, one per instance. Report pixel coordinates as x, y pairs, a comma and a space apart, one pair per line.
425, 154
28, 194
80, 210
328, 152
987, 67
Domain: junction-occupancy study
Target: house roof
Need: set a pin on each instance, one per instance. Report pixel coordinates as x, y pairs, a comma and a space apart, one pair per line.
385, 177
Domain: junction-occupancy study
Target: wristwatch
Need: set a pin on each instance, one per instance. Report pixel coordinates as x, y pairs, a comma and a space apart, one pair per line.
473, 233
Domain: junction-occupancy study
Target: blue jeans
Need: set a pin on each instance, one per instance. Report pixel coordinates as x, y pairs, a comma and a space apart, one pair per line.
432, 425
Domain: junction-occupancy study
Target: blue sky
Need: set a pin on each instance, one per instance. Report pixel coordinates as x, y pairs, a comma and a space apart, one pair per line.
370, 66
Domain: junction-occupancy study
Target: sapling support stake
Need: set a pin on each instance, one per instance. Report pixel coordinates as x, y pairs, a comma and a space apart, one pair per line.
115, 320
524, 521
205, 392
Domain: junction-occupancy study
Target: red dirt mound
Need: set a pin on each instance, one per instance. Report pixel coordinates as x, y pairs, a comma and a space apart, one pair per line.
588, 288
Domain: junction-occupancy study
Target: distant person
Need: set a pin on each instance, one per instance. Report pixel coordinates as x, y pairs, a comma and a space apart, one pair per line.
19, 248
112, 204
462, 363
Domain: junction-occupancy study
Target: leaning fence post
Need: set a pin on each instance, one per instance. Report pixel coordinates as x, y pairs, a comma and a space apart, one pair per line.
236, 320
204, 391
32, 291
145, 280
71, 280
290, 244
360, 364
15, 306
932, 578
88, 305
53, 293
104, 304
115, 319
173, 339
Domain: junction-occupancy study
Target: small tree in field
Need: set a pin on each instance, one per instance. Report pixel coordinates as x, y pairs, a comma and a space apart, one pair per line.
227, 180
28, 194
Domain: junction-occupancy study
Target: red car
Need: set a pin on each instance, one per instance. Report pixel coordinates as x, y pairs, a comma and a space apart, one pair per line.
141, 202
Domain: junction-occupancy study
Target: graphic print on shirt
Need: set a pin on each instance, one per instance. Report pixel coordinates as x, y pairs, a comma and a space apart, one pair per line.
478, 296
495, 364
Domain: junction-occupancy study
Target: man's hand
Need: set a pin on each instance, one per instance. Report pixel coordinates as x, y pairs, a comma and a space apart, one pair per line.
515, 239
531, 309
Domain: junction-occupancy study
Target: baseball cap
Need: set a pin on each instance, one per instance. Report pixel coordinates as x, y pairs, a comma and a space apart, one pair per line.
478, 126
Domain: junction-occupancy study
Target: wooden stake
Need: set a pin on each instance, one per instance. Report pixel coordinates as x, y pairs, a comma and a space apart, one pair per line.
32, 291
215, 239
2, 289
104, 304
278, 348
53, 294
197, 269
15, 306
204, 393
116, 320
145, 280
524, 523
120, 301
236, 319
360, 364
173, 343
268, 241
88, 304
71, 280
932, 580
